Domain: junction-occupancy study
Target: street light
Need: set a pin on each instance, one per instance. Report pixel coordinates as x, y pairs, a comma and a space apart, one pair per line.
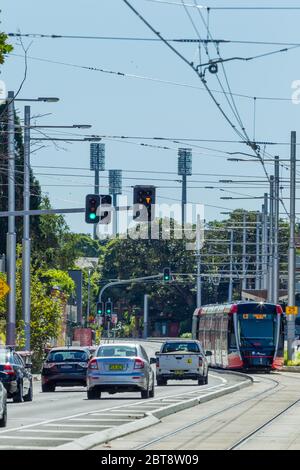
43, 99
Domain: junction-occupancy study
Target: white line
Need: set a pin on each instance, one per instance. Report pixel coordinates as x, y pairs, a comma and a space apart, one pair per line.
8, 447
33, 438
83, 425
69, 431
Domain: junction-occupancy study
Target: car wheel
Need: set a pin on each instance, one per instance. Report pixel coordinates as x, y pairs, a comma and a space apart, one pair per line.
206, 380
160, 382
3, 420
48, 388
93, 394
151, 393
145, 394
201, 381
29, 395
18, 397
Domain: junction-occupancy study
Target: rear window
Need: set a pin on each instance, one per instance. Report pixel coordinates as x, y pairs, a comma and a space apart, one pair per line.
256, 308
181, 347
67, 356
116, 351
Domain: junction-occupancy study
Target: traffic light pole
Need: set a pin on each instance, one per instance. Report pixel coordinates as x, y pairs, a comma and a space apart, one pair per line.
126, 281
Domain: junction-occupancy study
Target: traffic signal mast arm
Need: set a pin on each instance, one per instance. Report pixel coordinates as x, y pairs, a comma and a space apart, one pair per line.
127, 281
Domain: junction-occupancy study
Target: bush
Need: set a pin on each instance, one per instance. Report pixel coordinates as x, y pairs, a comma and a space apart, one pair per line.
186, 335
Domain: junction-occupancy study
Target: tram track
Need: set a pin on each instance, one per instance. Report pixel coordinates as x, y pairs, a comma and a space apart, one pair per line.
270, 391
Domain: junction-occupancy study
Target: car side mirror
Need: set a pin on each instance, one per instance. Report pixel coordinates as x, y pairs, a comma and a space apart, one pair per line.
208, 353
157, 352
152, 360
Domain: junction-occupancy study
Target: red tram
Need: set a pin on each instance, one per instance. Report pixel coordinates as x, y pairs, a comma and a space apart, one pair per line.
244, 335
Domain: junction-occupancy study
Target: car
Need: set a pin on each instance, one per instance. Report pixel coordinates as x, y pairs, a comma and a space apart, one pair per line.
15, 375
3, 406
181, 360
120, 367
65, 367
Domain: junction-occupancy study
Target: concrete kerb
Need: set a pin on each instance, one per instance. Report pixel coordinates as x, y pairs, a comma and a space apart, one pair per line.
151, 418
291, 369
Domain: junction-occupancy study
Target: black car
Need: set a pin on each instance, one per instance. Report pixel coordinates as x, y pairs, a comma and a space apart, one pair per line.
3, 407
15, 375
65, 367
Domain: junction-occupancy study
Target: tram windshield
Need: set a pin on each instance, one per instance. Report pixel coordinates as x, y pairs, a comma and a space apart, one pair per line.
257, 326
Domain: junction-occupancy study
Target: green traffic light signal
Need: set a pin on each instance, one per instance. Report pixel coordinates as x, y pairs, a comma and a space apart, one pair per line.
167, 274
92, 216
99, 308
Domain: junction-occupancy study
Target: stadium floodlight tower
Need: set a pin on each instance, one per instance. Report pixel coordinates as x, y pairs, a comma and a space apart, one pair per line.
97, 164
184, 170
115, 188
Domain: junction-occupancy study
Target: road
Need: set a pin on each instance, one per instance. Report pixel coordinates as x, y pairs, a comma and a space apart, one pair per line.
265, 416
53, 419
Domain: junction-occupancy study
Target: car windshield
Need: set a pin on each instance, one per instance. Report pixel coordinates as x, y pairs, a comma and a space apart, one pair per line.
68, 356
117, 351
180, 347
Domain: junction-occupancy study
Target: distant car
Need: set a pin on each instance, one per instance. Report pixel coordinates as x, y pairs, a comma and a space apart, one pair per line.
3, 406
15, 375
119, 367
65, 367
181, 360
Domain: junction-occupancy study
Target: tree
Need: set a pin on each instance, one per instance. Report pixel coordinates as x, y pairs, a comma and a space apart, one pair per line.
5, 48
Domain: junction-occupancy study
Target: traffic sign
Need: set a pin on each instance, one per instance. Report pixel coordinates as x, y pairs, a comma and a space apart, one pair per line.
291, 310
4, 289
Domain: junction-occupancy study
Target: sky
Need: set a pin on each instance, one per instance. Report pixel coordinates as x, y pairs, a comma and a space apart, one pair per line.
143, 108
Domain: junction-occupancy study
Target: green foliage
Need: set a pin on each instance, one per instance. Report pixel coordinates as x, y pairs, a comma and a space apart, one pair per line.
186, 335
5, 48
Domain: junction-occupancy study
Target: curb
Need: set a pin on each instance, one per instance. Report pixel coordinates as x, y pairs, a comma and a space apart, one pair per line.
151, 418
291, 369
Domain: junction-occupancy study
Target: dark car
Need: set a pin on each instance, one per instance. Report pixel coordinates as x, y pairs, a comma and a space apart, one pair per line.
65, 367
15, 376
3, 407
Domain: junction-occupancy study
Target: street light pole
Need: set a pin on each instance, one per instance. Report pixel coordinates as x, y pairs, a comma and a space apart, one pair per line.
26, 242
257, 274
292, 251
244, 281
198, 255
11, 235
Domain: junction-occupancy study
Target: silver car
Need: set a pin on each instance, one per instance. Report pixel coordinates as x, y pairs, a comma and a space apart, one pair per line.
120, 367
3, 406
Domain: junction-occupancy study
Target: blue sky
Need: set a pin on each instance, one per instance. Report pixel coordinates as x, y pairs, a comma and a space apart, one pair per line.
116, 105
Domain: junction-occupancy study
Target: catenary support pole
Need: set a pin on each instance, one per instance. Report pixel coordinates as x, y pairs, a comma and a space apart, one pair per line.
198, 256
258, 266
230, 287
270, 241
265, 243
26, 248
244, 281
292, 251
276, 233
11, 235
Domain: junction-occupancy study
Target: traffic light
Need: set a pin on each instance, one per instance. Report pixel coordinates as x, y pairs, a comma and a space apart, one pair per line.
105, 202
95, 206
167, 274
92, 202
108, 309
144, 196
100, 308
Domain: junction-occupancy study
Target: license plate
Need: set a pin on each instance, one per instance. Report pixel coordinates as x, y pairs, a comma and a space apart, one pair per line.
116, 367
179, 372
66, 367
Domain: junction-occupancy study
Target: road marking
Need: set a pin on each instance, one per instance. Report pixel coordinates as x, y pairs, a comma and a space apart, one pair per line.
33, 438
83, 425
92, 420
69, 431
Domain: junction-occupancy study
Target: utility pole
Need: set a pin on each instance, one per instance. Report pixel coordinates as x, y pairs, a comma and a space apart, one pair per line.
198, 256
258, 266
271, 239
230, 288
265, 243
11, 235
115, 188
292, 250
276, 268
244, 281
97, 164
26, 242
97, 191
89, 297
146, 315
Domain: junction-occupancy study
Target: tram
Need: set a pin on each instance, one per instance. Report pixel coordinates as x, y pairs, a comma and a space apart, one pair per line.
244, 335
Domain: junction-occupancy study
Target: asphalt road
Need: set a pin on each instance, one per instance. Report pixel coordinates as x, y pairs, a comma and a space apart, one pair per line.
53, 418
